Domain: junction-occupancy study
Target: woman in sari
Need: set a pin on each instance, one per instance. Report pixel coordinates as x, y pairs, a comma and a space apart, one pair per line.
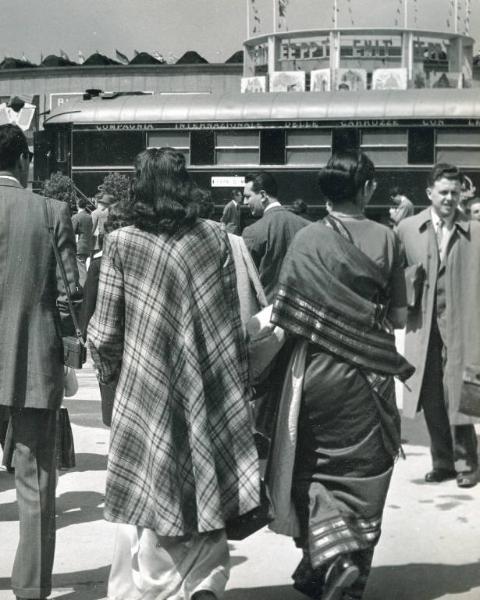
167, 328
341, 293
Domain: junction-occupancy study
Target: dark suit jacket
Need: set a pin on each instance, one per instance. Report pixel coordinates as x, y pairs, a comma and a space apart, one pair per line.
82, 226
31, 354
231, 217
268, 240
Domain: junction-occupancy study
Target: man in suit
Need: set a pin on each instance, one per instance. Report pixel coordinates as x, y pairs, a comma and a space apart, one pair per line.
99, 216
269, 237
231, 213
83, 229
31, 354
442, 241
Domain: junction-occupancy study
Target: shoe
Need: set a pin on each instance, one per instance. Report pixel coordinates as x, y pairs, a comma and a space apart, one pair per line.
341, 575
439, 475
467, 479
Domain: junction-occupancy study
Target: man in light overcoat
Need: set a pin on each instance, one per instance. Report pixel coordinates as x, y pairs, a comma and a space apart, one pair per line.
440, 239
31, 353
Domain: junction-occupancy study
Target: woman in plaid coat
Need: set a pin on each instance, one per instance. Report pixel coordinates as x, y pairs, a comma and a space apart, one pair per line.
167, 327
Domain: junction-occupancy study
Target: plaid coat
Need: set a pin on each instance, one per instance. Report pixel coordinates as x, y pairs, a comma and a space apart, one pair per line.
182, 457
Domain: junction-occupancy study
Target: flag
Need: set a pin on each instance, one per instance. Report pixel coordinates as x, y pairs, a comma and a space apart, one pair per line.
81, 58
282, 8
63, 54
121, 57
24, 58
136, 52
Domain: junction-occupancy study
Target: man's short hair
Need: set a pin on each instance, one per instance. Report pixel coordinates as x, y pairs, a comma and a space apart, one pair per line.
396, 190
263, 181
444, 171
82, 203
13, 144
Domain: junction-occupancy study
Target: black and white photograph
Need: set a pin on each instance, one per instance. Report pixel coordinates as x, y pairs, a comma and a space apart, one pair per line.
239, 300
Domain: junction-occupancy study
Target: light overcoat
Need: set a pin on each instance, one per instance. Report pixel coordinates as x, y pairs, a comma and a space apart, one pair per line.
418, 237
31, 355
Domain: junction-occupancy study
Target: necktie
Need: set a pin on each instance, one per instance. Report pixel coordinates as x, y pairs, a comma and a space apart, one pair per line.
440, 233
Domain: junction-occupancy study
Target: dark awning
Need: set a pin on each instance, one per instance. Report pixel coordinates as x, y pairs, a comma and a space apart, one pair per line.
192, 58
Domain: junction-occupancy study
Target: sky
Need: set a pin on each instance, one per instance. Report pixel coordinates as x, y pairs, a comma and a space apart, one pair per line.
214, 28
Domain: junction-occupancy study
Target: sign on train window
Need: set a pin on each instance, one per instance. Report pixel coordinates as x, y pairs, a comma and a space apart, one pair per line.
421, 146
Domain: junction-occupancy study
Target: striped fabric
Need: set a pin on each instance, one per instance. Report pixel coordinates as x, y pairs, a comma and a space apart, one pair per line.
182, 457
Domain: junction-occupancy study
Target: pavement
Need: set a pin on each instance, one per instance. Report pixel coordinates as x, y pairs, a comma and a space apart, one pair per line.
430, 546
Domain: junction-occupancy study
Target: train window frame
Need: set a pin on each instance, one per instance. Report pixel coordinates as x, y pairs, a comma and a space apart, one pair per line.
95, 165
414, 146
225, 149
298, 154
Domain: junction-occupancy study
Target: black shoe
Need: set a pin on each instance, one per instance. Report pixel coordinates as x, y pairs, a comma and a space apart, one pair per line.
467, 479
341, 575
439, 475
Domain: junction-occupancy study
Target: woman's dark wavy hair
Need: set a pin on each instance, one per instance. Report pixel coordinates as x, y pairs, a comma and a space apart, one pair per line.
345, 174
162, 192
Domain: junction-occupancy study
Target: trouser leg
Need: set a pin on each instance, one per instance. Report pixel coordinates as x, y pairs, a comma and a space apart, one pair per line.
465, 448
34, 435
434, 407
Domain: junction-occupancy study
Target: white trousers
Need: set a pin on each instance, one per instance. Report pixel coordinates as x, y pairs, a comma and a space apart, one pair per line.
149, 567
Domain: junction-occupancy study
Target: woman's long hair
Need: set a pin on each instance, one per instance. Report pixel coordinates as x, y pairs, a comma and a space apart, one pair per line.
345, 175
161, 194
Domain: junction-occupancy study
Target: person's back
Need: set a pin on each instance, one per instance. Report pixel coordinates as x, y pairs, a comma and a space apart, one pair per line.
83, 229
31, 353
167, 325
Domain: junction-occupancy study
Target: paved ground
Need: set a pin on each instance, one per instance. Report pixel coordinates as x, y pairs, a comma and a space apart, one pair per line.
430, 546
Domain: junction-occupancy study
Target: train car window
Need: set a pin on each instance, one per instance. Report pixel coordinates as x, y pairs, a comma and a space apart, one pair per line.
308, 146
272, 147
180, 140
202, 147
387, 156
310, 137
237, 148
244, 156
466, 157
345, 139
384, 137
458, 136
237, 139
421, 146
96, 148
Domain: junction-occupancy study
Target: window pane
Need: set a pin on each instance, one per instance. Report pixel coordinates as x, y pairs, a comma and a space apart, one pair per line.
384, 136
237, 138
387, 156
458, 136
308, 156
466, 157
91, 148
202, 148
272, 147
345, 139
309, 137
173, 139
421, 149
237, 157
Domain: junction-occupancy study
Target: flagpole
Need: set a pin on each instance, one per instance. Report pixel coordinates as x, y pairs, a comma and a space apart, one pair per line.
335, 14
274, 16
248, 19
405, 14
455, 15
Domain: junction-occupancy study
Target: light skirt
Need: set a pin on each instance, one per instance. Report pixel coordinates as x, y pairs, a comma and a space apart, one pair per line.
149, 567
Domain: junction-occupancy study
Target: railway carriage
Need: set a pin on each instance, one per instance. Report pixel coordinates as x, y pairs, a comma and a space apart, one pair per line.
290, 134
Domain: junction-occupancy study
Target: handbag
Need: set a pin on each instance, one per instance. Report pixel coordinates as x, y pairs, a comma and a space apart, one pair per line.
470, 392
414, 279
65, 446
74, 349
242, 526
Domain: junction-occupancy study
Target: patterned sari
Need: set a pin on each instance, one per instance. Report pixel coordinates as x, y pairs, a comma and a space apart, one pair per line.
335, 297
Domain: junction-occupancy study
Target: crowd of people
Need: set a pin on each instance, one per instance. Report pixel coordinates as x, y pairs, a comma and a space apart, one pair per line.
169, 299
